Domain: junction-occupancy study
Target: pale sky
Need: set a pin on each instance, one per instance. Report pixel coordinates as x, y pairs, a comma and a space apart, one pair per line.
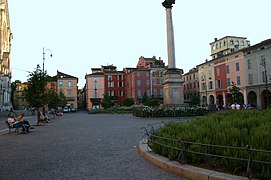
83, 34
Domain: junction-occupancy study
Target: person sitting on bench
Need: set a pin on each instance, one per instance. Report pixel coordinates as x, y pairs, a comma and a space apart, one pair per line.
13, 123
22, 119
43, 117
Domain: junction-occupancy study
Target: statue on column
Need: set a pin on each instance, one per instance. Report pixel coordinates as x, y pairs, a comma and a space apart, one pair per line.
168, 3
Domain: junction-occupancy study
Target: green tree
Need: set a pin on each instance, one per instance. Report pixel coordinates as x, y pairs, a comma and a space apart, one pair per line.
55, 99
52, 98
234, 96
195, 99
145, 99
13, 89
62, 99
152, 102
106, 102
128, 102
35, 91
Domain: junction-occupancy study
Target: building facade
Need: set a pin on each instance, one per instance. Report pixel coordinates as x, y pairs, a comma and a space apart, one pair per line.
138, 83
5, 49
157, 69
227, 45
257, 65
95, 89
19, 101
207, 83
191, 85
67, 84
114, 84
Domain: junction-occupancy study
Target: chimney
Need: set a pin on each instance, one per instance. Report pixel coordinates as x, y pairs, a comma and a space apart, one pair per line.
215, 39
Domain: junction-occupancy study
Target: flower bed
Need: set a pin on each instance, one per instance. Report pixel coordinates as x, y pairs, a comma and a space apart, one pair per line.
145, 111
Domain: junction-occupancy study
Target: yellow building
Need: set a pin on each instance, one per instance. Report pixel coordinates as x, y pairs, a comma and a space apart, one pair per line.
227, 45
207, 83
68, 85
5, 48
19, 102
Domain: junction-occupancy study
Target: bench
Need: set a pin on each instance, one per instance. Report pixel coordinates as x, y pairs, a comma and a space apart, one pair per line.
11, 127
39, 120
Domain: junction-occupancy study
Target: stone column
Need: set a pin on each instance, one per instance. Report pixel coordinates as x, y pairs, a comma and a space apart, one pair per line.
170, 40
173, 84
245, 96
224, 100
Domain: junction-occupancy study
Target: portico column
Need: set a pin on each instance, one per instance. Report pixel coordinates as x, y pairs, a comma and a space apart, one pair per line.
245, 96
224, 100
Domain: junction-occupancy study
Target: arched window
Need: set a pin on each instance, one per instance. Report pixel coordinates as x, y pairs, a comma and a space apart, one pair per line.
231, 42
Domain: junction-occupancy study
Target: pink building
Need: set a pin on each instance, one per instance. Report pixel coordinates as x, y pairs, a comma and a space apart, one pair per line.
150, 62
235, 72
95, 89
157, 69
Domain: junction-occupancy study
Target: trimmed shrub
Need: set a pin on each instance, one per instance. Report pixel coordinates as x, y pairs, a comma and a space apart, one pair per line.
233, 128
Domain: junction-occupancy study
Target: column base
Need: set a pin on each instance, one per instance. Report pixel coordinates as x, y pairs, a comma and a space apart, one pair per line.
173, 87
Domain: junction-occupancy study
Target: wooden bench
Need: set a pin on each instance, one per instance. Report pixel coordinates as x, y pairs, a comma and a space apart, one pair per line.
17, 129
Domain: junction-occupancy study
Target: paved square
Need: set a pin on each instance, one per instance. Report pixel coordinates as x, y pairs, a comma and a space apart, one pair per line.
79, 146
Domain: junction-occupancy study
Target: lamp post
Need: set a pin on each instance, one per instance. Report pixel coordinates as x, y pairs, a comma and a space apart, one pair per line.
43, 74
265, 77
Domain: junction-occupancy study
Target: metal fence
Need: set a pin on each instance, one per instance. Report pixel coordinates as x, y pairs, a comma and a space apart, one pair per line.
185, 147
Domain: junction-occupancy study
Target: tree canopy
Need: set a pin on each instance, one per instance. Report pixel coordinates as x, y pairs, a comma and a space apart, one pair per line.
38, 95
234, 96
35, 91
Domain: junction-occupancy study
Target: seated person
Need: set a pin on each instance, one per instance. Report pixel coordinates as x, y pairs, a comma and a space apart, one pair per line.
13, 123
22, 119
43, 117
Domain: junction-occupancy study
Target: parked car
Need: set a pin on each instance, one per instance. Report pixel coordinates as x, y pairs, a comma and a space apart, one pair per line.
249, 106
66, 109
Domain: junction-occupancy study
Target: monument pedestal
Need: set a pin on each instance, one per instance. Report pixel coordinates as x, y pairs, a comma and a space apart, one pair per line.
173, 87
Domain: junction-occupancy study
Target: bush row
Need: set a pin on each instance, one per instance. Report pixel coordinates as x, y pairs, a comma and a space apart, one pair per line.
112, 110
233, 128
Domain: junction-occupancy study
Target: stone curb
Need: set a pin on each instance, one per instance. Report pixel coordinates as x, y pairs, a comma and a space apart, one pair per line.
185, 170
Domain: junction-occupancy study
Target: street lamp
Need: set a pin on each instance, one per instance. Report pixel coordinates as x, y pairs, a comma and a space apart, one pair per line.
43, 78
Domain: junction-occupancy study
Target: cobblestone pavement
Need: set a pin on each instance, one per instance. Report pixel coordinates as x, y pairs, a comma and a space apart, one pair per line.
79, 146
